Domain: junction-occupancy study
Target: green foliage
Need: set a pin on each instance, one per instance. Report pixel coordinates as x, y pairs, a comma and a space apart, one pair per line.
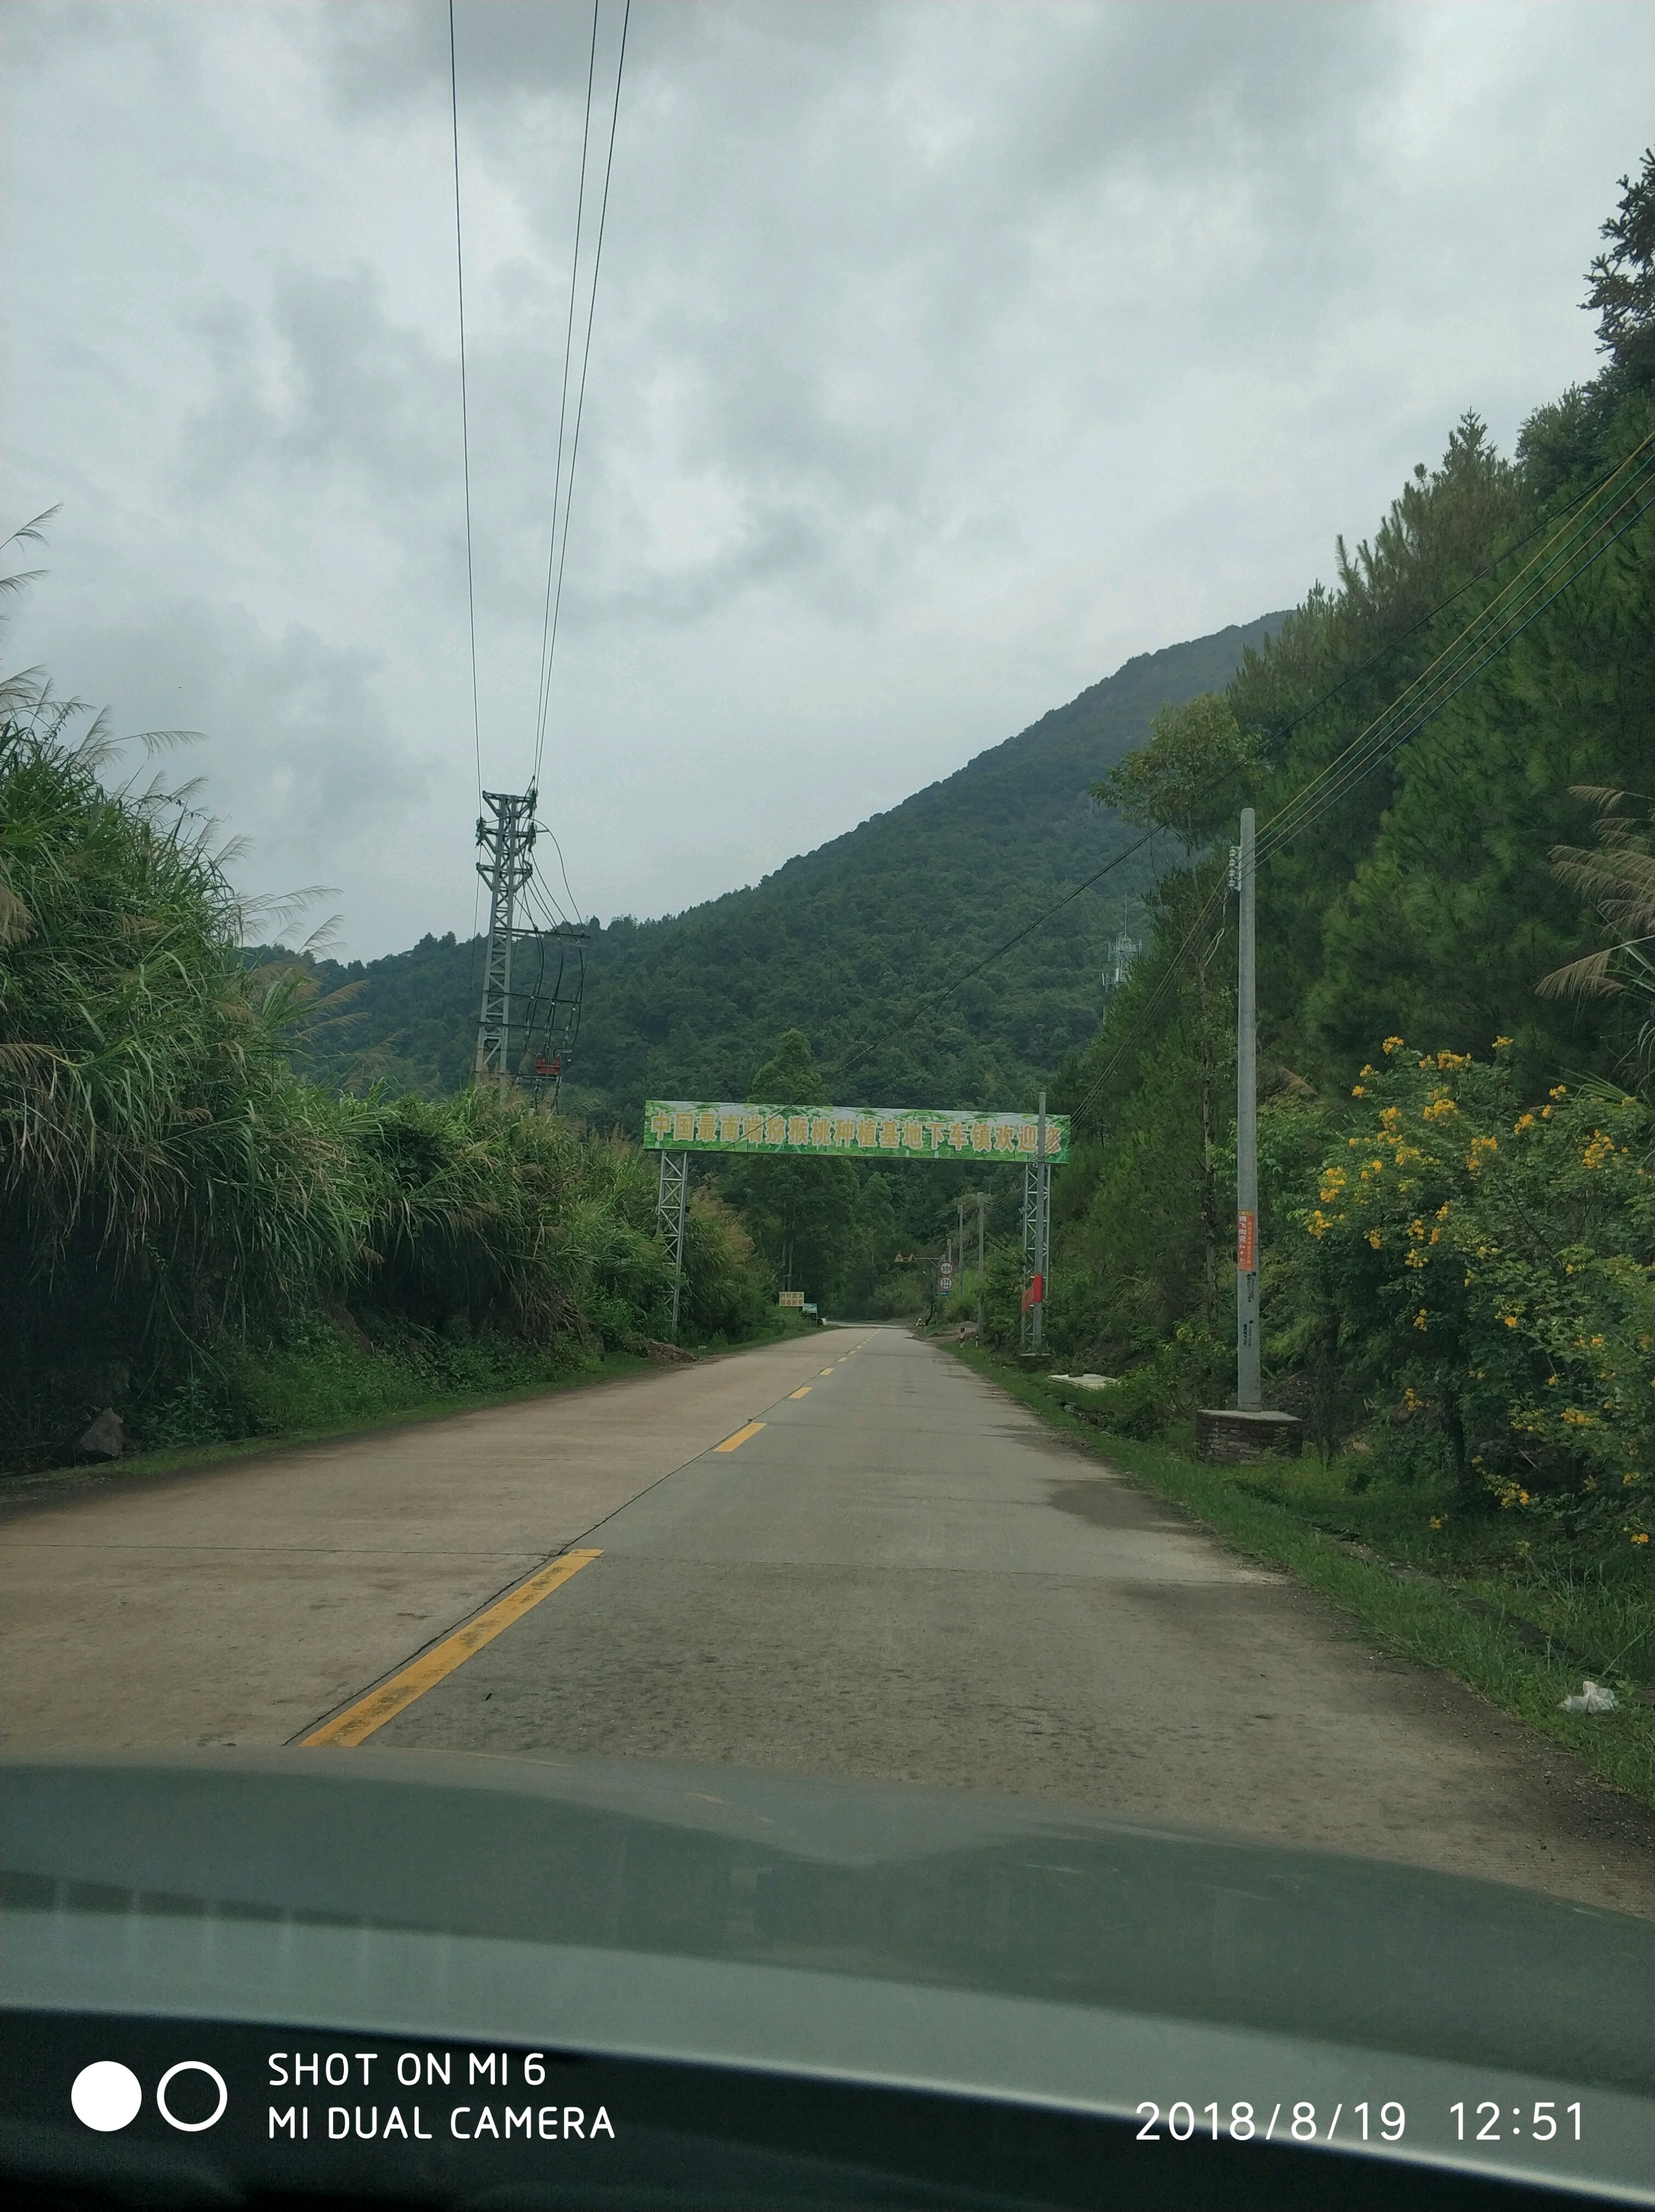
1489, 1262
1190, 776
1621, 282
184, 1222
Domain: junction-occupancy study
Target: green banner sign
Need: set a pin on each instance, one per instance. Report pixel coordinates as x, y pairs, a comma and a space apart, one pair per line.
851, 1132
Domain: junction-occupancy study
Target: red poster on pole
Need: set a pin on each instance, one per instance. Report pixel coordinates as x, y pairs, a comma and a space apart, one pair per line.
1247, 1244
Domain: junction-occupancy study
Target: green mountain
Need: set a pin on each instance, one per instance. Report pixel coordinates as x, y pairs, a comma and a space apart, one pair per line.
860, 943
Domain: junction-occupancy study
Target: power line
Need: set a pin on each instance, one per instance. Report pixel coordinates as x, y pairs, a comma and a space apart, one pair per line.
1436, 705
465, 415
580, 404
1359, 770
562, 403
1486, 619
1555, 524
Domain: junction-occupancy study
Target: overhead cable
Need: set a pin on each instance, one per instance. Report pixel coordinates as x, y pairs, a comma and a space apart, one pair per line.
580, 404
562, 403
465, 415
1532, 609
1555, 524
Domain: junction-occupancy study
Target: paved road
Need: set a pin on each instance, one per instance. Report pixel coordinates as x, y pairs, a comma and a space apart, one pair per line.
900, 1575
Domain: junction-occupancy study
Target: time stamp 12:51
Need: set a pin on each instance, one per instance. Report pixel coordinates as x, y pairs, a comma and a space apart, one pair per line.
1362, 2123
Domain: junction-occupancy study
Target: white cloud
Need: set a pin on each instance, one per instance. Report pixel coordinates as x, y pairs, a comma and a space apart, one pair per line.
944, 357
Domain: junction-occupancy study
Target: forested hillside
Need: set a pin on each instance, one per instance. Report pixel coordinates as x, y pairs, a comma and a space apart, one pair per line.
1448, 755
845, 943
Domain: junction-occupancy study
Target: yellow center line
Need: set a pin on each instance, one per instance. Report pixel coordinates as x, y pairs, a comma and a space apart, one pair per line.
735, 1443
827, 1371
804, 1393
422, 1674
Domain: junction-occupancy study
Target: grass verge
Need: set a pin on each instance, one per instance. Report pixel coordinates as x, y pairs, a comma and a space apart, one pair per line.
1468, 1627
327, 1388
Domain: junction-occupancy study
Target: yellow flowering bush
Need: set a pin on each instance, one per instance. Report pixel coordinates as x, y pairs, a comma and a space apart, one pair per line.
1489, 1259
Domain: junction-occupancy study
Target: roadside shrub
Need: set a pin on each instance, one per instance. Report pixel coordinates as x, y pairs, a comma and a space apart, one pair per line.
1485, 1261
184, 1220
1139, 1405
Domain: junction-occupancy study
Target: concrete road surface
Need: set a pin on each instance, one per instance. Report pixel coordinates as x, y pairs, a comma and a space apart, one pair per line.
885, 1569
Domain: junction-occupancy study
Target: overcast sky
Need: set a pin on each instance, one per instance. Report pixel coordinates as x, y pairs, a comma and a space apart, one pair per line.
945, 357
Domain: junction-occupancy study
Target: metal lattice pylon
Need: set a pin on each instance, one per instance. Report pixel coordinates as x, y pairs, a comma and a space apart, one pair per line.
528, 1021
507, 840
672, 1204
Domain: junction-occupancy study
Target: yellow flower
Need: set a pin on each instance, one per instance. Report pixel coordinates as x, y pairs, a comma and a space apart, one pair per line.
1415, 1258
1546, 1113
1511, 1320
1526, 1122
1600, 1149
1436, 1520
1357, 1090
1640, 1537
1375, 1239
1389, 1116
1391, 1044
1499, 1041
1558, 1091
1419, 1318
1416, 1229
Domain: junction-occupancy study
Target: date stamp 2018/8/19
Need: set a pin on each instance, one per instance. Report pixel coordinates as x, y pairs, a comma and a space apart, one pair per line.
1363, 2122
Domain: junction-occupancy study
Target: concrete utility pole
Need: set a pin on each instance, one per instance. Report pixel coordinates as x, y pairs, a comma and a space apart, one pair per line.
1042, 1225
982, 1210
1031, 1176
1247, 1398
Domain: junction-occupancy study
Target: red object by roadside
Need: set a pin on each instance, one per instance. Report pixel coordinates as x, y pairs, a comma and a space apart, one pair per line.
1035, 1293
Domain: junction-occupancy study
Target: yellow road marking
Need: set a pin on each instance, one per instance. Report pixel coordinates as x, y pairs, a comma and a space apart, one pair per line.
734, 1442
422, 1674
827, 1371
804, 1393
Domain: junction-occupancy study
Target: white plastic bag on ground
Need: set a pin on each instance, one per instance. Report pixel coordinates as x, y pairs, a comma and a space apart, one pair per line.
1593, 1698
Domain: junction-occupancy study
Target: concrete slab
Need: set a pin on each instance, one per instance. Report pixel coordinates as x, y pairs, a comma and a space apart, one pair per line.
237, 1604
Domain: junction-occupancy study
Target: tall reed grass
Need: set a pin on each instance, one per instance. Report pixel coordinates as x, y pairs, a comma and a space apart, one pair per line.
171, 1193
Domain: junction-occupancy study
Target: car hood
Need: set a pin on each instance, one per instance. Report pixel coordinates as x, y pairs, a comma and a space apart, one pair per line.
921, 1888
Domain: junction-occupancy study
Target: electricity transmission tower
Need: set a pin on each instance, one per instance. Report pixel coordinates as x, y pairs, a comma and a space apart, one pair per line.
518, 1016
1122, 954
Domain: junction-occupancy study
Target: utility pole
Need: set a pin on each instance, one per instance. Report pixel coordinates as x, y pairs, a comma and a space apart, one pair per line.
1042, 1225
1247, 1398
981, 1210
1029, 1177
